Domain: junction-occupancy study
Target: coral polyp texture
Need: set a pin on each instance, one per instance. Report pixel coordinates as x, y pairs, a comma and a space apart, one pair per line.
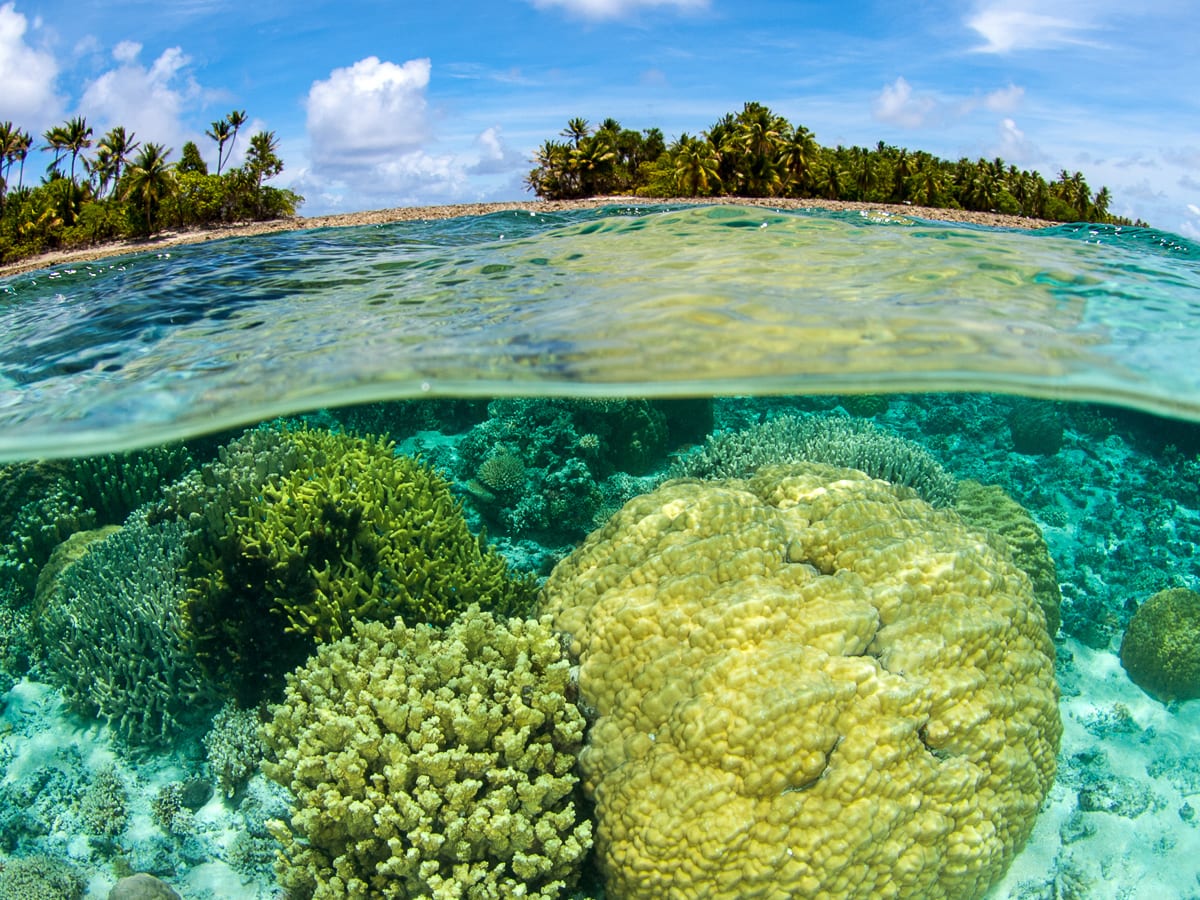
431, 764
810, 683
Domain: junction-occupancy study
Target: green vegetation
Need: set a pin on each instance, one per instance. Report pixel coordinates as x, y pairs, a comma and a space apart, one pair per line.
759, 154
117, 187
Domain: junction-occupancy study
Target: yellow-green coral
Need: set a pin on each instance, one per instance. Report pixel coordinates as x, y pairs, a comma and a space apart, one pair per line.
809, 684
1161, 647
351, 532
427, 763
988, 506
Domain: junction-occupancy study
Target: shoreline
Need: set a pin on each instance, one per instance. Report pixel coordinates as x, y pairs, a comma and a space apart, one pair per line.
413, 213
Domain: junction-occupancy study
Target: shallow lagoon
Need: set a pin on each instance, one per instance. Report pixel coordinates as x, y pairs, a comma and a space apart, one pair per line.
437, 330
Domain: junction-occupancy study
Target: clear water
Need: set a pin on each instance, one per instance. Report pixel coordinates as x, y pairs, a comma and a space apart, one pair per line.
721, 300
950, 337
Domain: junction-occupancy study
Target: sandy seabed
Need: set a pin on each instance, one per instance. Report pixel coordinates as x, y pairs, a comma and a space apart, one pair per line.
416, 213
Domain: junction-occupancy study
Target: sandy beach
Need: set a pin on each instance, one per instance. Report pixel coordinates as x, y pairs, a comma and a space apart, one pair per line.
414, 213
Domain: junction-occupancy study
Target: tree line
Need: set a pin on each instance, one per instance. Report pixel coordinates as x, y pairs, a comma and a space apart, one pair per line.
97, 190
756, 153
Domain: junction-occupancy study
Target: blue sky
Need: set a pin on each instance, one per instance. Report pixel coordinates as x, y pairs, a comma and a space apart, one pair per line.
419, 101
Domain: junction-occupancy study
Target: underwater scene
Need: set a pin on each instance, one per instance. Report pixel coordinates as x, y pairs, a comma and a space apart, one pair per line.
697, 552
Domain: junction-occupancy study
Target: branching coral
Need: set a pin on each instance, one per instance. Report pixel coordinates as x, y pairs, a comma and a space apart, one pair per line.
834, 440
350, 532
809, 684
429, 763
112, 633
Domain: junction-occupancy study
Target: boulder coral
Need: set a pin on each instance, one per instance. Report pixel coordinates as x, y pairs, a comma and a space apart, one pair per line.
1161, 647
809, 683
429, 763
988, 506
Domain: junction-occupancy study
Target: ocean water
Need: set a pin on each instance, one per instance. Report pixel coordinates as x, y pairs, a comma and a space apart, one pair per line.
553, 368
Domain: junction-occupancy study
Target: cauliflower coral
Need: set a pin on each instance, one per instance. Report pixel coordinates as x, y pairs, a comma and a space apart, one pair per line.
809, 683
431, 764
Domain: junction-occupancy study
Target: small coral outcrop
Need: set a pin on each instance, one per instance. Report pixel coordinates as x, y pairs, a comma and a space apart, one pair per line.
429, 763
810, 683
1161, 647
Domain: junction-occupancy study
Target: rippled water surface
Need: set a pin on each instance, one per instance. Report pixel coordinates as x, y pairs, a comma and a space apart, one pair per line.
153, 346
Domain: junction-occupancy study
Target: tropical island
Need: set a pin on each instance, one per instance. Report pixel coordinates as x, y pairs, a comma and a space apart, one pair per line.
125, 189
110, 195
758, 154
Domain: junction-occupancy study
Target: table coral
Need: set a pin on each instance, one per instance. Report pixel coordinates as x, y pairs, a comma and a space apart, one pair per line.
431, 763
810, 683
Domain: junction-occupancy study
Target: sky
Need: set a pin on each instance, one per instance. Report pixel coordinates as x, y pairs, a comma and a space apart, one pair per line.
384, 104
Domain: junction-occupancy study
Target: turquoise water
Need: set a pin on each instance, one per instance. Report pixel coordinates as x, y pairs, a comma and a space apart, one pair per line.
553, 368
152, 347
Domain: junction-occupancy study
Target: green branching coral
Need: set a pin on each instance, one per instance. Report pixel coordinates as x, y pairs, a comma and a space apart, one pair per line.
1161, 647
431, 764
350, 532
112, 635
833, 440
39, 877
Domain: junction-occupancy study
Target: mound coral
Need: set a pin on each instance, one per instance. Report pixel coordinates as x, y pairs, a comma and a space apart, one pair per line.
350, 532
1161, 647
429, 763
808, 684
988, 506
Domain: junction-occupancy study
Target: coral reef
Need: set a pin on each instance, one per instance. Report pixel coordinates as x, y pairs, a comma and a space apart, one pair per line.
809, 683
1161, 647
39, 877
349, 532
547, 466
233, 747
112, 635
988, 506
1036, 427
104, 807
834, 440
431, 763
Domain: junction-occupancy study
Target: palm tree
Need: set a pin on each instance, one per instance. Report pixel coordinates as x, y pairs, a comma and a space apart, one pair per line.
927, 184
8, 155
592, 161
78, 138
262, 161
149, 181
22, 143
798, 157
695, 166
120, 147
577, 129
56, 140
221, 131
236, 120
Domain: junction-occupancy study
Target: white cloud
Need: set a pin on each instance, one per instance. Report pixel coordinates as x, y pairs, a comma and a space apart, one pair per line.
1004, 100
616, 9
127, 52
1014, 147
898, 105
27, 76
149, 102
369, 112
495, 156
369, 133
1009, 25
